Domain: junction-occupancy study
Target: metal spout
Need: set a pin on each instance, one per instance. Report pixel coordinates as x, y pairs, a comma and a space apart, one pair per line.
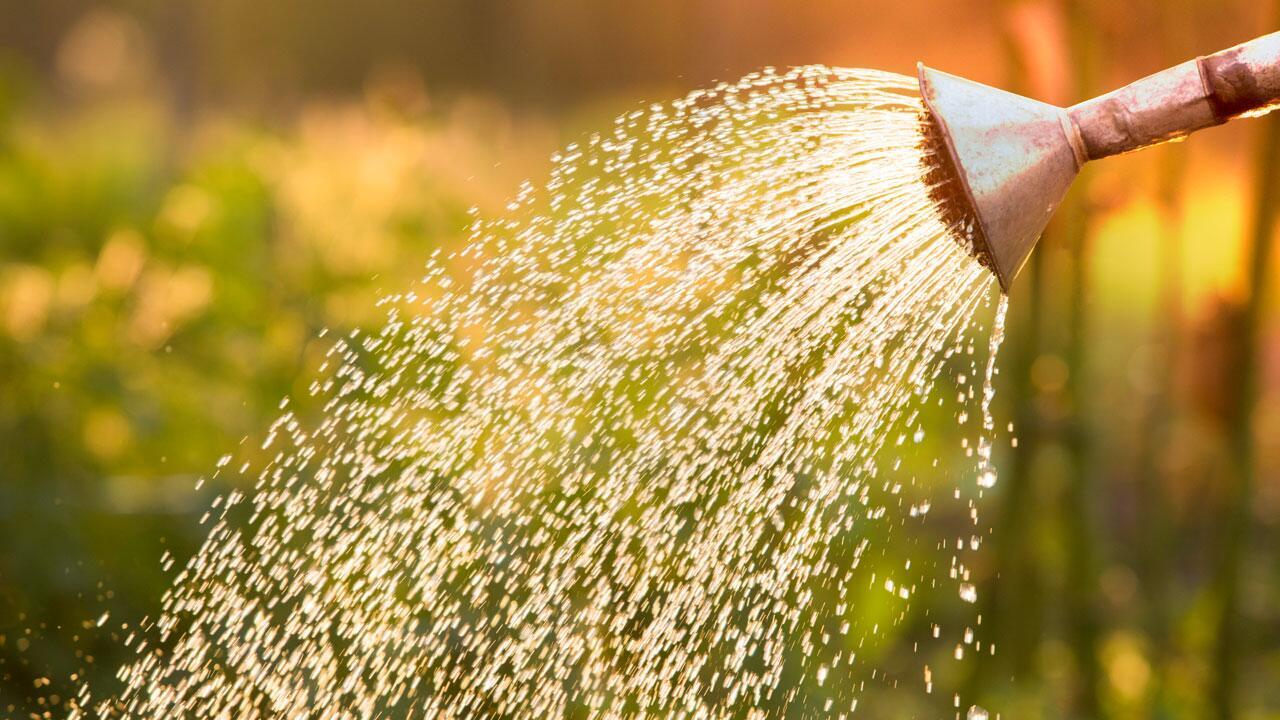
1007, 161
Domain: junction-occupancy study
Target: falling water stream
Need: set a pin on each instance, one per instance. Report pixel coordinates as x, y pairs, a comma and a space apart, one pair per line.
629, 452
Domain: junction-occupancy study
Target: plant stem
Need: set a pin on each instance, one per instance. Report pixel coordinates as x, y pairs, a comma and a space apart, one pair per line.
1154, 441
1244, 385
1079, 526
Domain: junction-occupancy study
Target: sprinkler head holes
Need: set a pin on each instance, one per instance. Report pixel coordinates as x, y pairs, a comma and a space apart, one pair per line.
1001, 163
1007, 158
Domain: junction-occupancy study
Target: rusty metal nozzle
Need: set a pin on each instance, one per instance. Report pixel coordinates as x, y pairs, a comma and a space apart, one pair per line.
1007, 160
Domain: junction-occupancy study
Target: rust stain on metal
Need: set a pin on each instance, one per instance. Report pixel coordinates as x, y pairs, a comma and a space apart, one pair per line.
1001, 163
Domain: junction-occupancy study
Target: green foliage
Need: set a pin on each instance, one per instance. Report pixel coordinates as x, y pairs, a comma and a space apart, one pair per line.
162, 288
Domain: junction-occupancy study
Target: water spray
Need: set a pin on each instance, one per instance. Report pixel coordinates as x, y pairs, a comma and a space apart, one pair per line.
1006, 161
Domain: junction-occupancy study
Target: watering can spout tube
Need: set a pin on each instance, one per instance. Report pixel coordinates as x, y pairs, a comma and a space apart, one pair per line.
1173, 103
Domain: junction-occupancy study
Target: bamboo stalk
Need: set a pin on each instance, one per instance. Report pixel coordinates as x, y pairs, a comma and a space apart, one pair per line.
1083, 622
1154, 442
1231, 644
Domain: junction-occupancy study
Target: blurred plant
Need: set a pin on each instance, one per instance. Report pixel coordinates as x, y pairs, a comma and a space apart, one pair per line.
162, 287
1232, 646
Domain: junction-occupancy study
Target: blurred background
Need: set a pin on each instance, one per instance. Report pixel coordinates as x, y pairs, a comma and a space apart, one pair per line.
191, 191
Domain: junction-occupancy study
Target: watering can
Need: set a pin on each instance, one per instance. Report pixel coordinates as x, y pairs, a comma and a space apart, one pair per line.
1009, 160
